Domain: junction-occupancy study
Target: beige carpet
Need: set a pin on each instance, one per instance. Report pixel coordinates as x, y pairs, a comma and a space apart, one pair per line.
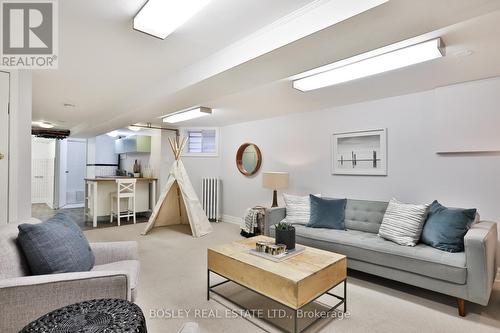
173, 281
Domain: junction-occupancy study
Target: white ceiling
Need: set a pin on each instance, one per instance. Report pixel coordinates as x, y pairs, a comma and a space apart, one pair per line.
110, 72
103, 61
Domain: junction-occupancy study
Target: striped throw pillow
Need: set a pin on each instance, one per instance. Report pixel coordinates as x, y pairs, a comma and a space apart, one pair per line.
298, 209
403, 223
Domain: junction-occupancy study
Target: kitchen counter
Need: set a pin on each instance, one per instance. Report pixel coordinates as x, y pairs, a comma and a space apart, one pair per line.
98, 192
114, 178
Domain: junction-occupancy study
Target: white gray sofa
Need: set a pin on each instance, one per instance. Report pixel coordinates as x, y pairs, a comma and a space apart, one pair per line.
467, 275
24, 298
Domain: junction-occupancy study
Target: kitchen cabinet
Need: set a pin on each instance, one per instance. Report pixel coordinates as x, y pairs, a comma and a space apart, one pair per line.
136, 144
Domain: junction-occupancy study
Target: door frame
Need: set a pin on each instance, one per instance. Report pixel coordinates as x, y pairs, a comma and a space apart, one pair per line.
7, 152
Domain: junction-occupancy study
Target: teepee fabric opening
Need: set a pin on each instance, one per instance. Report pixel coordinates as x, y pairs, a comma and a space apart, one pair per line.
178, 203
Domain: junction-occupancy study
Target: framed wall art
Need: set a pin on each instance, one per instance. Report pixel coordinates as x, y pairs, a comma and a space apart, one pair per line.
360, 153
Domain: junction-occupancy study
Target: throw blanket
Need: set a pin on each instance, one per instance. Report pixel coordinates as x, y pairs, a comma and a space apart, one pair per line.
250, 223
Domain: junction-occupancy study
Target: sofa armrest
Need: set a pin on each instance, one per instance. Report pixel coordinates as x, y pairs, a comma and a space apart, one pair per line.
108, 252
24, 299
480, 251
274, 216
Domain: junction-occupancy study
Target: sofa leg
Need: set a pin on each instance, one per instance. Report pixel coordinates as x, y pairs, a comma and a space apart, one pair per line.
461, 307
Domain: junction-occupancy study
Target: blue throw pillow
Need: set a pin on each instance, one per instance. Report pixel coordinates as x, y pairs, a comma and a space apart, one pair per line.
327, 213
55, 246
445, 228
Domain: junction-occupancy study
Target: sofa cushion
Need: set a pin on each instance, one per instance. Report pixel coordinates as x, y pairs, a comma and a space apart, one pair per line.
363, 246
364, 215
55, 246
445, 228
12, 260
403, 223
130, 267
327, 213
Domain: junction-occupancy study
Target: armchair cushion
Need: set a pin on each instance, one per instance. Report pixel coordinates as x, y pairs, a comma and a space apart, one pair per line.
55, 246
24, 299
130, 267
109, 252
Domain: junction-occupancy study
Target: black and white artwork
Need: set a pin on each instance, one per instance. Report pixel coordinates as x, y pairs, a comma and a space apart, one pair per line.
360, 153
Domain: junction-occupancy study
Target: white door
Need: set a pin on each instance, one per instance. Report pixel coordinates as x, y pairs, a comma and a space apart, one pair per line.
42, 171
75, 172
4, 146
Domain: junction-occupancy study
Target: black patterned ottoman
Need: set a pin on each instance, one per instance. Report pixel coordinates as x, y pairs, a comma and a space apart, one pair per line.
96, 316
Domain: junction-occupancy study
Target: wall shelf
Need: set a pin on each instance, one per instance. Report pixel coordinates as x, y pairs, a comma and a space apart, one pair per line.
470, 152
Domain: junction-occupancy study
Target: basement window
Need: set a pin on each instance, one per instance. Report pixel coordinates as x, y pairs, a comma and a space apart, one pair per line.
201, 142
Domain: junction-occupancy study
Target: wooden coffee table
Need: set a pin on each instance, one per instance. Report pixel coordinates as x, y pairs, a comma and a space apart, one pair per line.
294, 282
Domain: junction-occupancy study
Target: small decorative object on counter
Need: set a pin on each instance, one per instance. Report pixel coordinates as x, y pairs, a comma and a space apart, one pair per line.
137, 169
276, 249
274, 252
148, 172
285, 234
262, 246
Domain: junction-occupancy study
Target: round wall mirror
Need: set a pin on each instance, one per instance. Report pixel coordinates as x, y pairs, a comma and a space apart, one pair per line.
248, 159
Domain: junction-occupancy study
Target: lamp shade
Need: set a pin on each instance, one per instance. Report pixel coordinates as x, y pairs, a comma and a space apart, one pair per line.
275, 180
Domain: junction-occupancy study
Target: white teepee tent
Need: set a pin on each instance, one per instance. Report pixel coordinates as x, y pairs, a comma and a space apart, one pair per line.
178, 203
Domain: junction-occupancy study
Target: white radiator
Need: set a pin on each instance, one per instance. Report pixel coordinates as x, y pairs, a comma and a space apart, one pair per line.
211, 198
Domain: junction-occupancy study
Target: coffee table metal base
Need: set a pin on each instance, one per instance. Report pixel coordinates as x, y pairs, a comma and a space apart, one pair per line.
342, 301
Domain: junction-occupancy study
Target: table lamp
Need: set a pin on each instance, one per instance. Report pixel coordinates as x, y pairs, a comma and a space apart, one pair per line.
275, 181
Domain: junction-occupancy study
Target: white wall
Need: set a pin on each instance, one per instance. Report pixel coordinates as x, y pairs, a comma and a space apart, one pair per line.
101, 150
459, 117
198, 167
127, 161
20, 145
452, 118
105, 150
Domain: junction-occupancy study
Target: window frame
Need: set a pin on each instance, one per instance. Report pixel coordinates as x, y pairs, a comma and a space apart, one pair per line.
185, 133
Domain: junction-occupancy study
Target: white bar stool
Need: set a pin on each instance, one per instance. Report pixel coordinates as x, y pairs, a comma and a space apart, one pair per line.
125, 190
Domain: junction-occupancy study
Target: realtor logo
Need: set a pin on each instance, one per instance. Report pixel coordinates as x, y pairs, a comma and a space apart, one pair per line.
29, 37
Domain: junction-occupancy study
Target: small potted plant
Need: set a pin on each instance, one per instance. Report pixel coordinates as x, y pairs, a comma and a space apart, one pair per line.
285, 234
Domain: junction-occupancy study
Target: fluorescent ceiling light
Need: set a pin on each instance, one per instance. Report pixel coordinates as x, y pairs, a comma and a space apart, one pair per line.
43, 124
161, 17
369, 64
187, 115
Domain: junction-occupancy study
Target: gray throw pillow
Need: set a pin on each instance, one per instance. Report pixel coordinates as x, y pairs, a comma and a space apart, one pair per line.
403, 223
55, 246
327, 213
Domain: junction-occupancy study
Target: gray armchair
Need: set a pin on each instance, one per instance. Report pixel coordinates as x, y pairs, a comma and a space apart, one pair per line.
23, 297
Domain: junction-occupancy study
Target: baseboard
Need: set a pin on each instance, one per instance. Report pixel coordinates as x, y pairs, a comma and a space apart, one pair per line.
232, 219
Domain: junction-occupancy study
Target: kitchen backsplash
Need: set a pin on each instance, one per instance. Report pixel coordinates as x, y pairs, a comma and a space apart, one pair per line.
127, 161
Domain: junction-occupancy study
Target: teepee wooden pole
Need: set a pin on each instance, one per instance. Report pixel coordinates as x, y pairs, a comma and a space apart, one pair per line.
184, 141
177, 146
171, 145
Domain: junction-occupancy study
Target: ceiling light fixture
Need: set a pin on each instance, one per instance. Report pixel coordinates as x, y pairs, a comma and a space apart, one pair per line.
368, 64
113, 134
43, 124
187, 115
160, 18
134, 128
